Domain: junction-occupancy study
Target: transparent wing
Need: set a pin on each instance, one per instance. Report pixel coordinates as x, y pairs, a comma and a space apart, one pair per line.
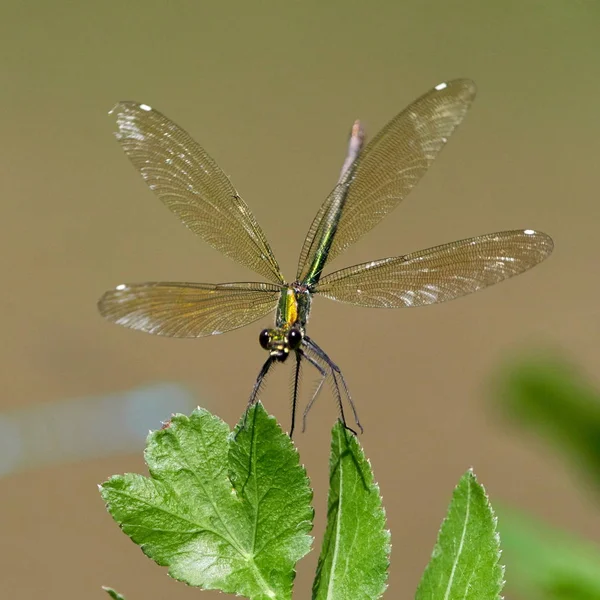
387, 169
438, 274
191, 184
188, 310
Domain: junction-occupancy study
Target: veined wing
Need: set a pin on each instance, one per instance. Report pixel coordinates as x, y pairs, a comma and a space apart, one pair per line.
188, 310
191, 184
438, 274
387, 169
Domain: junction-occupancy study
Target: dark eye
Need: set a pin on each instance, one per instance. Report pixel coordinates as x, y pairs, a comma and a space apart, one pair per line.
264, 338
294, 338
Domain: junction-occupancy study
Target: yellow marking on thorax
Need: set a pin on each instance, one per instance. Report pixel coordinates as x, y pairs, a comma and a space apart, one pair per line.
291, 308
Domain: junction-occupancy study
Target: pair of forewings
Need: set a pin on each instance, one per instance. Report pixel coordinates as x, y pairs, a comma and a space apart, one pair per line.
192, 186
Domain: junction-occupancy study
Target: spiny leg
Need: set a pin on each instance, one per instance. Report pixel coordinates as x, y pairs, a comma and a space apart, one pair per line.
336, 386
323, 373
336, 370
295, 392
327, 370
259, 381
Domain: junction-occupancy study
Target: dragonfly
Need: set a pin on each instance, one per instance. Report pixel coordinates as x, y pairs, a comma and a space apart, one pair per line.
374, 179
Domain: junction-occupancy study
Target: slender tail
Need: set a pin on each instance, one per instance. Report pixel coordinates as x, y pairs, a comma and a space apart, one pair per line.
357, 138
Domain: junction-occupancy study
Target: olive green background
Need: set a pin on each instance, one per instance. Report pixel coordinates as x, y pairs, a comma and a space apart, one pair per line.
271, 89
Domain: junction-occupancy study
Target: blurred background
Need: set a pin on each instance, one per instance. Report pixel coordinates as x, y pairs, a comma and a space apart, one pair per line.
271, 89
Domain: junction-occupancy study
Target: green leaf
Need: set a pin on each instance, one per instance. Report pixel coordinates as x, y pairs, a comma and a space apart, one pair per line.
552, 398
548, 564
355, 554
465, 560
222, 512
113, 594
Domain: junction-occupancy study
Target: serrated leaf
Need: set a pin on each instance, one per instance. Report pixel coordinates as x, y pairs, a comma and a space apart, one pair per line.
465, 561
222, 512
355, 553
546, 563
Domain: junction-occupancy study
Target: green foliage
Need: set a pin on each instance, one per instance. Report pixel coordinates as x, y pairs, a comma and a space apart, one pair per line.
547, 564
355, 552
113, 594
232, 512
221, 512
465, 561
552, 398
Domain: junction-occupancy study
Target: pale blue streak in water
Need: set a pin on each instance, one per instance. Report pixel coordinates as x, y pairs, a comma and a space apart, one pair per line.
87, 428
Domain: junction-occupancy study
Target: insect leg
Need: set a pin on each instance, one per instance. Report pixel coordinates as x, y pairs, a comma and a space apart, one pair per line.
259, 381
323, 373
295, 390
336, 370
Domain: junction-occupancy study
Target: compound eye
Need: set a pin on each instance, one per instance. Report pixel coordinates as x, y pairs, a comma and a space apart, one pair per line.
264, 338
294, 338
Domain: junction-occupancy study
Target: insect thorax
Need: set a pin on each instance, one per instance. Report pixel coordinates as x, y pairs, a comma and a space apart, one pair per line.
293, 307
